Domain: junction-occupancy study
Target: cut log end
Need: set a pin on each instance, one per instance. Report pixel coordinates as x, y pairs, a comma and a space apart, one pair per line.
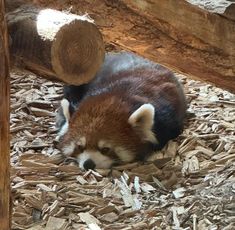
56, 45
77, 52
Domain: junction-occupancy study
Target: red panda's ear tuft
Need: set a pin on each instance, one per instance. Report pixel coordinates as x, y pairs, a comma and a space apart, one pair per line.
143, 119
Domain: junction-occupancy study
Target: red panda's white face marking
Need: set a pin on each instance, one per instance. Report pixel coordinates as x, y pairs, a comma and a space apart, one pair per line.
124, 154
104, 156
94, 158
81, 142
69, 149
91, 159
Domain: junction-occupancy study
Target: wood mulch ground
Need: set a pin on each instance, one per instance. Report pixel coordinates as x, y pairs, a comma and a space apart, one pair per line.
188, 185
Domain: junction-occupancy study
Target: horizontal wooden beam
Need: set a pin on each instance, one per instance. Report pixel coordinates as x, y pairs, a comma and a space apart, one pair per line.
178, 34
186, 35
180, 19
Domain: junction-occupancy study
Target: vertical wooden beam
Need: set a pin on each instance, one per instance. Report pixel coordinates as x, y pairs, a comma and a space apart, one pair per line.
4, 124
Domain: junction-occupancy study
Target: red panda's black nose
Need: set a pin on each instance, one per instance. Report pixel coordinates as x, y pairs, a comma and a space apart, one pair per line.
89, 164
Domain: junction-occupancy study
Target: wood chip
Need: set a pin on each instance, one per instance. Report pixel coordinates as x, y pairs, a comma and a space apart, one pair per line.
41, 112
109, 217
88, 218
56, 224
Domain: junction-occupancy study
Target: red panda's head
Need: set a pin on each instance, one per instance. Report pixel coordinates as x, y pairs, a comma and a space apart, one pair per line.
103, 132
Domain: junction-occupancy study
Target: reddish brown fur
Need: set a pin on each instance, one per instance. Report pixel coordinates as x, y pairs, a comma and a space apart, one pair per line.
112, 97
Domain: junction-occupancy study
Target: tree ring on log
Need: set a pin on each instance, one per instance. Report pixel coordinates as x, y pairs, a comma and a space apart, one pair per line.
82, 53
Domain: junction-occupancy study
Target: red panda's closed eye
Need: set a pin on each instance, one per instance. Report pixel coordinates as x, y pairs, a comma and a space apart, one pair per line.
105, 150
79, 148
108, 152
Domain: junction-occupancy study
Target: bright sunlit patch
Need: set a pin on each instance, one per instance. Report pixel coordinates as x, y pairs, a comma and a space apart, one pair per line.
50, 21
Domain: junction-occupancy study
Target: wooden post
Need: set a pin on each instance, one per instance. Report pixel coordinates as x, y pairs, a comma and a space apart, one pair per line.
4, 124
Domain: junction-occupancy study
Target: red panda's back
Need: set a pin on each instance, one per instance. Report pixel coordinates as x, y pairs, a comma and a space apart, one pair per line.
134, 78
138, 81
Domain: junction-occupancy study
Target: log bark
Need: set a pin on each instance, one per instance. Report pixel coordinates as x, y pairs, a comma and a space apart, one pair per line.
57, 45
176, 33
4, 124
11, 5
204, 40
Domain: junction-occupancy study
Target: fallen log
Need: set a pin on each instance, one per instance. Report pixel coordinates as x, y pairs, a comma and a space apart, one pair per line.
5, 213
56, 45
190, 38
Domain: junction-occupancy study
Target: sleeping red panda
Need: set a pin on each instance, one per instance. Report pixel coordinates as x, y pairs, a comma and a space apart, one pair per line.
131, 108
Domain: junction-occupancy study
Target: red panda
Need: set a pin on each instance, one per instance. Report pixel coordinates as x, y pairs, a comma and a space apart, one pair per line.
132, 108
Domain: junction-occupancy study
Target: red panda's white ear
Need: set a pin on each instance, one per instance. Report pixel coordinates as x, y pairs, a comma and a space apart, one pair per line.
65, 111
143, 120
65, 108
